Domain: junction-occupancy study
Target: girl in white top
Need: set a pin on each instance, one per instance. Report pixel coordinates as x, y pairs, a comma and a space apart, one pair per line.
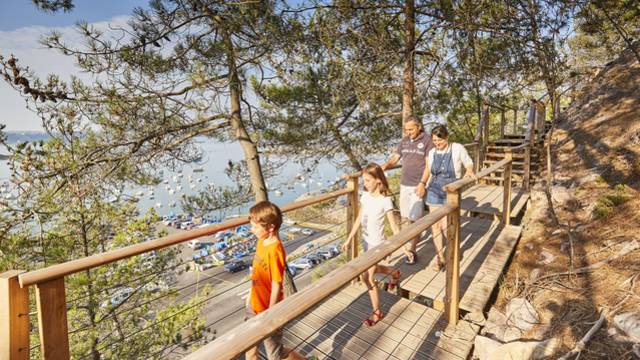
375, 205
445, 162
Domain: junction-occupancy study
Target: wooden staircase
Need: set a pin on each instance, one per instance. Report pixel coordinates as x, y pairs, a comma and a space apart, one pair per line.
496, 150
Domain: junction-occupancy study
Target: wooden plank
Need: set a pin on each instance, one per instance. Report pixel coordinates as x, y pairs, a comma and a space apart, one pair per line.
488, 199
14, 317
479, 274
52, 319
342, 334
482, 262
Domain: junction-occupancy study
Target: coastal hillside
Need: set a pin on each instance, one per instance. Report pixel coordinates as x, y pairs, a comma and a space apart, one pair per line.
580, 257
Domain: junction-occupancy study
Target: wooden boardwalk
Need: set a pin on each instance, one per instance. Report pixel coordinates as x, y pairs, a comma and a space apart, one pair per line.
485, 246
487, 200
335, 330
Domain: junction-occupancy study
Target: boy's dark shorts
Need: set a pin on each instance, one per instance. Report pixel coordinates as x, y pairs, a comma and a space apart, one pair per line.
273, 344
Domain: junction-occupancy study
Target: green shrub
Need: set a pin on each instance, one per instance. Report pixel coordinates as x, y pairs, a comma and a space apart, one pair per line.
613, 198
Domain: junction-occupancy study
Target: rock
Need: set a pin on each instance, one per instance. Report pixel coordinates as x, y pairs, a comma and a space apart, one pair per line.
557, 232
504, 333
534, 274
497, 328
629, 323
483, 347
560, 195
546, 258
525, 350
521, 314
589, 178
529, 246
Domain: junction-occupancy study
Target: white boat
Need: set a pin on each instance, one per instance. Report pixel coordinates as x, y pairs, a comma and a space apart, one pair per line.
172, 204
158, 204
278, 193
140, 193
171, 191
179, 187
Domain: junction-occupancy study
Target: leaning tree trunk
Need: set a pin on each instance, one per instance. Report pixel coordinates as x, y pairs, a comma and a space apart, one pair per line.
248, 146
408, 87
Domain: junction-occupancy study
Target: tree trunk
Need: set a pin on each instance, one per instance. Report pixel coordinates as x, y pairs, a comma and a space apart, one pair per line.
248, 146
408, 87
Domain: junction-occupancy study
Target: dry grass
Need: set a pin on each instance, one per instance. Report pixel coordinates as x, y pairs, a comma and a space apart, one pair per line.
598, 136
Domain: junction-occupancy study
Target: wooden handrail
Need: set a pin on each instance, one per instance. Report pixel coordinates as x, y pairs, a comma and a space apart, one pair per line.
459, 184
245, 336
74, 266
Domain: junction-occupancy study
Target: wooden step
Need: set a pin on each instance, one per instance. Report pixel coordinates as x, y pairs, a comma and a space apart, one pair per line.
513, 163
506, 141
503, 148
513, 181
515, 155
513, 171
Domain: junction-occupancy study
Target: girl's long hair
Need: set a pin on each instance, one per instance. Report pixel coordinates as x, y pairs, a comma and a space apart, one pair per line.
376, 172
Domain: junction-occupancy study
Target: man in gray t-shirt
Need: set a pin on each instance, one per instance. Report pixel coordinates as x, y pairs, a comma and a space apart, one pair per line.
413, 150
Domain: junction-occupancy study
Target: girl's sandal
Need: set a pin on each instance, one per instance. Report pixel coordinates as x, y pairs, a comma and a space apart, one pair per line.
411, 260
438, 265
377, 315
394, 279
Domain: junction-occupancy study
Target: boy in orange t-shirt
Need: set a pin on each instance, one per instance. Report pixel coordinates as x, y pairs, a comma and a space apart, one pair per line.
266, 277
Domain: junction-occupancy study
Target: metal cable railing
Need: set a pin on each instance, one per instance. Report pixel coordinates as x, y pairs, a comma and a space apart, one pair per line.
179, 290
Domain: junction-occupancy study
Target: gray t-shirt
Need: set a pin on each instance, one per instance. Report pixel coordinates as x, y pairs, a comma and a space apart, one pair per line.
413, 154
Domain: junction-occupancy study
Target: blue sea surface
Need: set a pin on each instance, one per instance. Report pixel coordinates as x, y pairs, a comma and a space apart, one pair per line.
284, 188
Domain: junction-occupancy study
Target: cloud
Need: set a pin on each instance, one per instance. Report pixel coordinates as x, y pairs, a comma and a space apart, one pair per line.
24, 44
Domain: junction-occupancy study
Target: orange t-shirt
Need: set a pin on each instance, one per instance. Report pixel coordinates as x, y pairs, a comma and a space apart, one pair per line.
268, 265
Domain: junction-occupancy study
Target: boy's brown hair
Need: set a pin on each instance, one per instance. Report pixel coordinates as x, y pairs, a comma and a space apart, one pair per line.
266, 213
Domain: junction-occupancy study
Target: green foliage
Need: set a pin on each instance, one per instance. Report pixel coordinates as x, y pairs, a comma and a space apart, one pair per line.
606, 203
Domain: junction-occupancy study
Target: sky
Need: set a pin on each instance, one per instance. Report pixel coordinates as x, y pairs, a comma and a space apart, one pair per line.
22, 25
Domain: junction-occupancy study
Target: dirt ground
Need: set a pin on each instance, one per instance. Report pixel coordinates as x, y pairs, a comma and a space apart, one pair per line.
596, 172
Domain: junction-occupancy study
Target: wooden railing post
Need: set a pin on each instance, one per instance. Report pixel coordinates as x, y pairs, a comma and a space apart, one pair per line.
506, 182
452, 252
52, 319
526, 181
515, 121
353, 203
476, 158
485, 136
502, 124
14, 317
